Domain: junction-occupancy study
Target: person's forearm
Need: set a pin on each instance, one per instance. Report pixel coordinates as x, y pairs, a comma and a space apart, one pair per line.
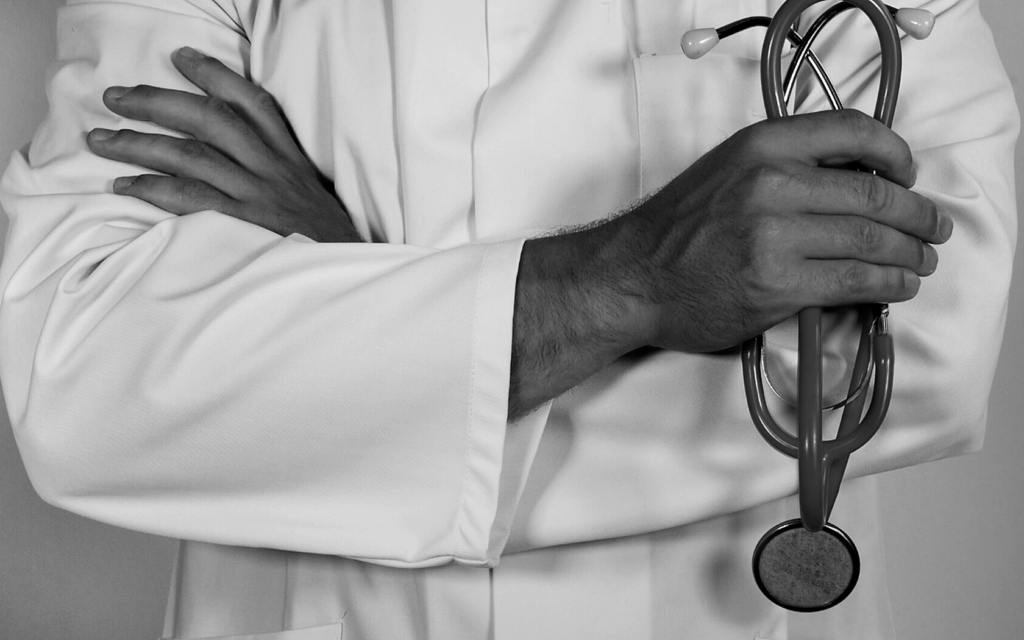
575, 313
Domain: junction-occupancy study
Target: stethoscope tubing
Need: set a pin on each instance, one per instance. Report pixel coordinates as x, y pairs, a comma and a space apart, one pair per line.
821, 464
798, 41
773, 84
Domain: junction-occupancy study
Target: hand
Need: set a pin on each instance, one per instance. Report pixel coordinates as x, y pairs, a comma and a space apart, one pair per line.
766, 225
240, 158
761, 227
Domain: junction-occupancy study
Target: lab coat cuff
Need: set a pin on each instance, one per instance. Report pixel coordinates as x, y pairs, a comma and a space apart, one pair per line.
488, 408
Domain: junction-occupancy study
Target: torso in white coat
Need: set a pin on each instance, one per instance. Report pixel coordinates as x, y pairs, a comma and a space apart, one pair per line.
629, 507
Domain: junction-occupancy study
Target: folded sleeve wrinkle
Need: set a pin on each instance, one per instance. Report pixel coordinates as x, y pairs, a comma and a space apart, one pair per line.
202, 378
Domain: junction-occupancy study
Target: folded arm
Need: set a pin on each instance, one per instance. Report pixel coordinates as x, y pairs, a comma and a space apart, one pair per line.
204, 378
201, 377
756, 230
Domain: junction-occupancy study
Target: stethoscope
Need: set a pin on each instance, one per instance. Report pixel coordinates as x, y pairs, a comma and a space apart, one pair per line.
808, 564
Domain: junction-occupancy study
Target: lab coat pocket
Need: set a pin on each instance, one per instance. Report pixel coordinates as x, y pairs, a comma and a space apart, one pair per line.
334, 631
686, 107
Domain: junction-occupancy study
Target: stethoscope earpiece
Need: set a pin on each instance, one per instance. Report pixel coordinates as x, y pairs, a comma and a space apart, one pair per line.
697, 42
917, 23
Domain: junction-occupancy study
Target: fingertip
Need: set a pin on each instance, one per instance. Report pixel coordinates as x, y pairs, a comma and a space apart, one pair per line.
189, 53
187, 56
945, 227
99, 135
931, 259
124, 183
113, 94
911, 282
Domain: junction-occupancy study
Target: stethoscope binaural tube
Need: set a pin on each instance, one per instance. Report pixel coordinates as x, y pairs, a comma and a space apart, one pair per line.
772, 85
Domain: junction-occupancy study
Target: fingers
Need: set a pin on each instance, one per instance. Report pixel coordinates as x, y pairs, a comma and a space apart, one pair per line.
239, 160
175, 195
181, 157
855, 238
833, 138
838, 260
208, 119
844, 192
837, 283
799, 172
256, 106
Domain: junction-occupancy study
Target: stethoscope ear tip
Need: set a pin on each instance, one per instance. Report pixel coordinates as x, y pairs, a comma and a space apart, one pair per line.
917, 23
697, 42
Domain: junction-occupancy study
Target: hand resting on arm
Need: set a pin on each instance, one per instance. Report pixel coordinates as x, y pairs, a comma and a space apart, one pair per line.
759, 228
240, 158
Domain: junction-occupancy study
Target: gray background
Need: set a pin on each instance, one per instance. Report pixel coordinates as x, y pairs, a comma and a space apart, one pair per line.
953, 529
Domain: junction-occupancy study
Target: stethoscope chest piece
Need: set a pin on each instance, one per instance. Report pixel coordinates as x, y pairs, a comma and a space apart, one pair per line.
806, 571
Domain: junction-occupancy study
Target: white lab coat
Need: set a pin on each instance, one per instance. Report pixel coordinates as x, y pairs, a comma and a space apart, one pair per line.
327, 422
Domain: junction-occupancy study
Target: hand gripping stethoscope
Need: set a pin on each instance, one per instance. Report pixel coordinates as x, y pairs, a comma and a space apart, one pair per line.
808, 564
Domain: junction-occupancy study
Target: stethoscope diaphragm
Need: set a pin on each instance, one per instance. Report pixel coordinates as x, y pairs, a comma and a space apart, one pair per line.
806, 571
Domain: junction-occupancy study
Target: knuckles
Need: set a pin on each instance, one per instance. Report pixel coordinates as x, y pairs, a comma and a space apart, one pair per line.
876, 195
219, 112
263, 102
867, 238
852, 279
767, 182
194, 193
194, 151
763, 261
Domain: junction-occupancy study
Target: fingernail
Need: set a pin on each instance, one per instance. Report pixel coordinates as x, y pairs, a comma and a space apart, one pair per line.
945, 227
101, 135
115, 93
190, 53
123, 183
911, 281
931, 259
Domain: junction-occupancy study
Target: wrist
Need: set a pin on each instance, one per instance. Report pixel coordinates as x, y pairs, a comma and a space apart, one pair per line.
614, 258
577, 309
601, 284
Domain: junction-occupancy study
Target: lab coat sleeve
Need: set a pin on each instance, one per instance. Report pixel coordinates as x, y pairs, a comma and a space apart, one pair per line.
203, 378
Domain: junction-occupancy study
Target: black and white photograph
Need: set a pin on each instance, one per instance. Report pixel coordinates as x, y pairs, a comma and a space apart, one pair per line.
511, 320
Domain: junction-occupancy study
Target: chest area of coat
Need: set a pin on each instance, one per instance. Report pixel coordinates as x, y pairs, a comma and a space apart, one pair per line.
565, 111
